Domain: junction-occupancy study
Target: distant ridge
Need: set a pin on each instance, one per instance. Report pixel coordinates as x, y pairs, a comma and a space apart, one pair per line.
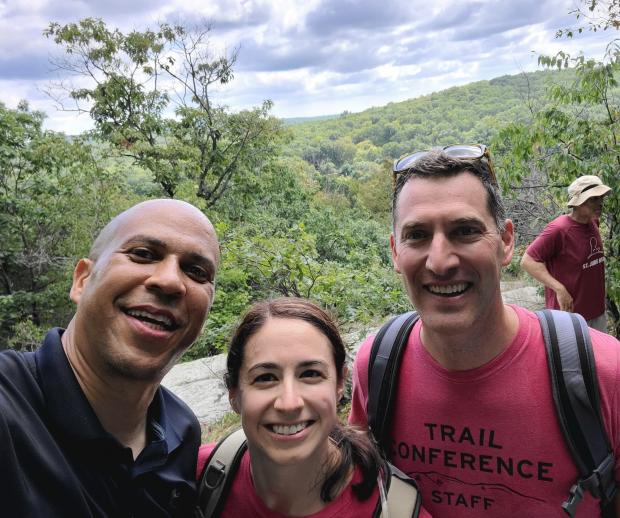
519, 87
291, 121
471, 113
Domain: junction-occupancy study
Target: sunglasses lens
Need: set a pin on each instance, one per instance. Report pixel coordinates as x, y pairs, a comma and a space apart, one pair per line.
456, 151
464, 151
407, 162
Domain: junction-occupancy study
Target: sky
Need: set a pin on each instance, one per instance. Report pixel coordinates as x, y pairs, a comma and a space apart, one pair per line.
310, 57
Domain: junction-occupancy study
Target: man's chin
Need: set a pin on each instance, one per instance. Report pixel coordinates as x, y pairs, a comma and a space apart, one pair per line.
141, 369
446, 323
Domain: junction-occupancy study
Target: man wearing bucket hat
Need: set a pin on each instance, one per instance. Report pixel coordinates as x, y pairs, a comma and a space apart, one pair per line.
568, 258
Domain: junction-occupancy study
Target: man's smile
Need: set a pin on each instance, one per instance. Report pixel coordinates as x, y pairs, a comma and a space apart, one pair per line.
448, 290
156, 318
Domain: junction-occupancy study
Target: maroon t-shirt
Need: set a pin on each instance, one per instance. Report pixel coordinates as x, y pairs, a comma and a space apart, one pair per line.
243, 500
573, 254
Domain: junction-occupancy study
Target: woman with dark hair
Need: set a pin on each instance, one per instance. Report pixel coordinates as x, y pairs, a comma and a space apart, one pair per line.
285, 375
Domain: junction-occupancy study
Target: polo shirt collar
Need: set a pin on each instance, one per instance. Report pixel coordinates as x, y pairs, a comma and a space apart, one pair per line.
71, 413
68, 407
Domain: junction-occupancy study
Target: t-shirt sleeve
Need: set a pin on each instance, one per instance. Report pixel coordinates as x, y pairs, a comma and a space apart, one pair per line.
547, 244
203, 455
359, 391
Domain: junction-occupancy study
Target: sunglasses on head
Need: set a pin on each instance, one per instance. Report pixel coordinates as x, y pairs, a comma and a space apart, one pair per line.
466, 151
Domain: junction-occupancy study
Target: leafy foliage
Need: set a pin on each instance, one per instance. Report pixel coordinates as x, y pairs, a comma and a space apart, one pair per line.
470, 113
297, 242
53, 197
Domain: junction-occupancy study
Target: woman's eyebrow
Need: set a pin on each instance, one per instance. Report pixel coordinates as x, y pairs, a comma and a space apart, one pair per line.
312, 363
263, 365
272, 365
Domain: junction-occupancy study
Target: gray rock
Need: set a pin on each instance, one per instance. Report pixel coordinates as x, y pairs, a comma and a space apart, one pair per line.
526, 296
200, 383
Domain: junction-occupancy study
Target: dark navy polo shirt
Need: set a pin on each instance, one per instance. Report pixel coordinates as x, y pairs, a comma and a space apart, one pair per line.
56, 460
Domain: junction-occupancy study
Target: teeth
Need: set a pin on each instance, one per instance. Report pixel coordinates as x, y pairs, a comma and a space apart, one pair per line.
157, 327
448, 290
153, 319
288, 429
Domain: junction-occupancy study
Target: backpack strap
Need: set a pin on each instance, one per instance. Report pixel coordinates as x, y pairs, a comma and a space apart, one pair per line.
385, 354
577, 402
218, 474
403, 497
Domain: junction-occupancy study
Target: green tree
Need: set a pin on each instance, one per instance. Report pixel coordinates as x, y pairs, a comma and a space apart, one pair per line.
53, 198
150, 95
576, 133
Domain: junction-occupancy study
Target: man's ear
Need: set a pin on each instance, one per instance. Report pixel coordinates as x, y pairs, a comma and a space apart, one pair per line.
81, 274
508, 242
394, 253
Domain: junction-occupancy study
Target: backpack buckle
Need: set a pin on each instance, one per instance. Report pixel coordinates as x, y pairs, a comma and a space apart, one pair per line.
215, 474
600, 483
576, 494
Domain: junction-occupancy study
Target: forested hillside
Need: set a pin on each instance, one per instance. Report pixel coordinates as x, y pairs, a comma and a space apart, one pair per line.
300, 209
470, 113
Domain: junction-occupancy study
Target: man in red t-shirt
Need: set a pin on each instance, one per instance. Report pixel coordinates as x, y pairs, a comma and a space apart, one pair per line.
567, 257
473, 417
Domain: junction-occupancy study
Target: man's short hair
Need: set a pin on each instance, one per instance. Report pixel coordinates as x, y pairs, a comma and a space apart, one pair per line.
436, 164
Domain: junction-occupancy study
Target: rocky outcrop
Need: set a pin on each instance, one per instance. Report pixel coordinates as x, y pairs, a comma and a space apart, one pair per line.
200, 383
526, 296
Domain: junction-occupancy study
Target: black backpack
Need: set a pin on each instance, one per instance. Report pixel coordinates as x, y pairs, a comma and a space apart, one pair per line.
402, 498
575, 394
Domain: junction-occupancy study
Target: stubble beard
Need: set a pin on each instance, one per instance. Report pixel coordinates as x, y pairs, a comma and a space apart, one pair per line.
120, 366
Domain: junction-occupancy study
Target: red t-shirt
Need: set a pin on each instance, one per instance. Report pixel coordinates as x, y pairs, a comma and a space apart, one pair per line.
573, 254
486, 443
243, 501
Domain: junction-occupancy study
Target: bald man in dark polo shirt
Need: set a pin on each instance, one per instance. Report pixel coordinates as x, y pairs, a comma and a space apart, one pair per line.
86, 429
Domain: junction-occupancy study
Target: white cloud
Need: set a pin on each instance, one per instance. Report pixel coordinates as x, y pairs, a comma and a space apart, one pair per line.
312, 57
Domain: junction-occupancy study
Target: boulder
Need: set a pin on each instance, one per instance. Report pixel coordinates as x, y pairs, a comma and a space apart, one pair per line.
200, 383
